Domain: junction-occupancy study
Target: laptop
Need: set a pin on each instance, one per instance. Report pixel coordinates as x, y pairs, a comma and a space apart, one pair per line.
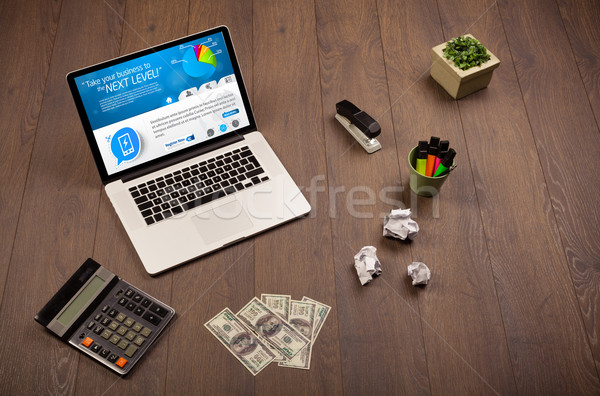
176, 144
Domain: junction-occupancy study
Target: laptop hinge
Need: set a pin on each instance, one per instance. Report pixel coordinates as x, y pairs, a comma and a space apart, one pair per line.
173, 161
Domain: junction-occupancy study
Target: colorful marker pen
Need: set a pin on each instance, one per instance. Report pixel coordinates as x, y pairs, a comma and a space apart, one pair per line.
434, 143
446, 163
443, 150
422, 156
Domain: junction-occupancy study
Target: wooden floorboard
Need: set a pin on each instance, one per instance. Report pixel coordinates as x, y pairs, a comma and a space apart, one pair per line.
19, 28
60, 208
297, 258
581, 247
580, 20
352, 67
464, 336
512, 239
143, 25
562, 122
546, 337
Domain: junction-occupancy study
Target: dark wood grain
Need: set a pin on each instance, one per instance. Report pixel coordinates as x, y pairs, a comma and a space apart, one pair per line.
295, 259
198, 363
581, 23
512, 307
464, 336
580, 20
60, 207
144, 25
22, 88
546, 337
380, 330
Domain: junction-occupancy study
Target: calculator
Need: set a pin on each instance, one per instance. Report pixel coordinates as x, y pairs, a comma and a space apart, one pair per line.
105, 317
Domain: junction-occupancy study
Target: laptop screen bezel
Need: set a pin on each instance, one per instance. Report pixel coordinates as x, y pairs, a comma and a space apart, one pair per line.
183, 153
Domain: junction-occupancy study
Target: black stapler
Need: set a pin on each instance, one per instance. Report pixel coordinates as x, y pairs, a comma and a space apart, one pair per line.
360, 125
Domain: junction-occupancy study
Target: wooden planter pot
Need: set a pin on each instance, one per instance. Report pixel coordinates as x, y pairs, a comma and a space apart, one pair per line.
460, 83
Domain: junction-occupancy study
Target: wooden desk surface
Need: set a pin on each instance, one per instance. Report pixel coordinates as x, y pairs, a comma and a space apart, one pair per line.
513, 240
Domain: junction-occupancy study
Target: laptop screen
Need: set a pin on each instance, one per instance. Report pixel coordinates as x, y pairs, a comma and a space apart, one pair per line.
162, 101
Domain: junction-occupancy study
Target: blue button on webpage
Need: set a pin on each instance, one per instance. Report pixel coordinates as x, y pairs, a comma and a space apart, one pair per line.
230, 113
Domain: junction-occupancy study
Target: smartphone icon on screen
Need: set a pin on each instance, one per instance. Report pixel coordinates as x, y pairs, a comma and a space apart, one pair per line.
125, 143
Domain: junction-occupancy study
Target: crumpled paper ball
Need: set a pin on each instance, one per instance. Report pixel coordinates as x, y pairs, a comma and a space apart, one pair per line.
398, 224
419, 273
367, 264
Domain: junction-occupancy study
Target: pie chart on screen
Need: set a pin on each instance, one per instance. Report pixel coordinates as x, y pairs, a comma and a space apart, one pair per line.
199, 62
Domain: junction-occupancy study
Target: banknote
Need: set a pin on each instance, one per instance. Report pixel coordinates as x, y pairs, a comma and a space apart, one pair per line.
320, 315
240, 341
267, 324
302, 318
278, 303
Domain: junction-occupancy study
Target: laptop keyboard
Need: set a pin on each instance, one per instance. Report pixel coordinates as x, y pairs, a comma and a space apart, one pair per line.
198, 184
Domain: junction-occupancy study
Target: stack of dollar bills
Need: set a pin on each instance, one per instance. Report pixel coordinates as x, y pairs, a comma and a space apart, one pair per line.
272, 329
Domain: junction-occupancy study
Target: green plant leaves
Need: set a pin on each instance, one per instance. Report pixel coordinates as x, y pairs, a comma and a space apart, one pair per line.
466, 52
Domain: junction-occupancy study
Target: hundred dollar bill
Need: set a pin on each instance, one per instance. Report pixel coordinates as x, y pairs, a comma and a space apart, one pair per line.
302, 318
266, 323
240, 341
320, 315
278, 303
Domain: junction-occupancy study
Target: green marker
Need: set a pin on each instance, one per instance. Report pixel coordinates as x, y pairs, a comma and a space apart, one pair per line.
446, 163
422, 156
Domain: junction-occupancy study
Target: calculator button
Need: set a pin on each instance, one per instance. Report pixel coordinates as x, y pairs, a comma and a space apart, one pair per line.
130, 336
138, 298
98, 329
157, 309
146, 303
139, 341
131, 350
105, 308
123, 344
96, 348
113, 312
121, 317
87, 342
104, 353
129, 293
122, 301
129, 322
106, 334
137, 327
115, 339
90, 325
122, 330
130, 306
113, 326
106, 321
139, 311
121, 362
152, 318
113, 358
146, 332
98, 317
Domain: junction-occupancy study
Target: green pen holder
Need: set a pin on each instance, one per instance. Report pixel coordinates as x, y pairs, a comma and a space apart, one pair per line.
420, 184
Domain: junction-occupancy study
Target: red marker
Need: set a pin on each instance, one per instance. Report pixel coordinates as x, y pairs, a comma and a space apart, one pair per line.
443, 150
434, 142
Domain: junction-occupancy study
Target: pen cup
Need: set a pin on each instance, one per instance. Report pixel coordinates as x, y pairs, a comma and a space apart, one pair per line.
423, 185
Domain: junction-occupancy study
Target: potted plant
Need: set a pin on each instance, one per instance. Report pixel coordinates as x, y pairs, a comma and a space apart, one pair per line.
462, 66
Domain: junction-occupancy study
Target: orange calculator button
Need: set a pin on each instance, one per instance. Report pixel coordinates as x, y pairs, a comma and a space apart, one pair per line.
87, 342
121, 362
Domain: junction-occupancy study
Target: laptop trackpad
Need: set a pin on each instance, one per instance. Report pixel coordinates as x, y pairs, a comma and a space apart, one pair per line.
221, 222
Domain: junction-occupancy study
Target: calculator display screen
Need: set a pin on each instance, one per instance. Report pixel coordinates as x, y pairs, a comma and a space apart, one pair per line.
80, 301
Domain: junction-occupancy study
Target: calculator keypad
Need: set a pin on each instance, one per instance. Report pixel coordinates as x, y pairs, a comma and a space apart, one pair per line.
119, 329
